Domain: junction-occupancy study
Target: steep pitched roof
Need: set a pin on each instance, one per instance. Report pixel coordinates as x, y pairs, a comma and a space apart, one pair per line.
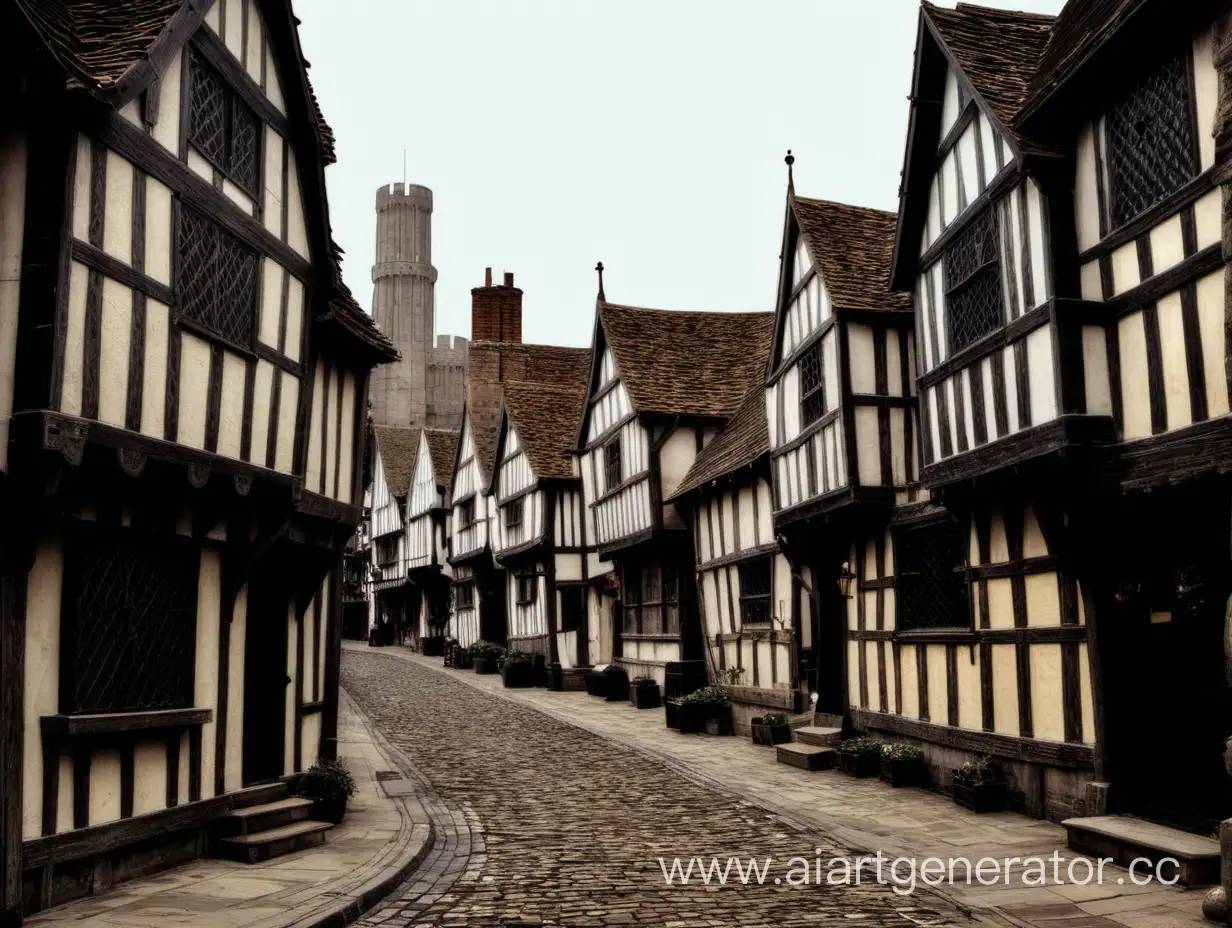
853, 246
398, 448
442, 444
998, 51
485, 439
351, 316
743, 440
535, 363
686, 363
546, 418
1082, 26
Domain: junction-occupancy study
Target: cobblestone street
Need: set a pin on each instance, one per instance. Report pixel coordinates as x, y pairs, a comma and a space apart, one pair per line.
545, 820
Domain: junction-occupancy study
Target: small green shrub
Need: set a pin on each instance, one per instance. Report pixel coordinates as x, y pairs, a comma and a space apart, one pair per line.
898, 751
860, 746
643, 681
512, 657
734, 675
776, 718
711, 695
485, 649
326, 779
977, 772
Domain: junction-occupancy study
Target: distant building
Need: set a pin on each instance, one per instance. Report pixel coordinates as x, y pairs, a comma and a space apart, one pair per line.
427, 388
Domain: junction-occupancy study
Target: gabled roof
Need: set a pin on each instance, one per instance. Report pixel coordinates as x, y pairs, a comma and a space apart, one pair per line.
398, 449
442, 446
686, 363
743, 440
536, 363
485, 438
546, 418
1082, 27
852, 246
998, 52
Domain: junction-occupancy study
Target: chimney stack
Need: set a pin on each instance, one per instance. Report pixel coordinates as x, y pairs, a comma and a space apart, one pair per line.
496, 311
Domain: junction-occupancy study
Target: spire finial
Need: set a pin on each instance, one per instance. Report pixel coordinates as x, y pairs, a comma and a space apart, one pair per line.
599, 268
790, 160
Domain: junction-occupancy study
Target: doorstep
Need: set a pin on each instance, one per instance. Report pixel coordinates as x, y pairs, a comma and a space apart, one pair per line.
1126, 839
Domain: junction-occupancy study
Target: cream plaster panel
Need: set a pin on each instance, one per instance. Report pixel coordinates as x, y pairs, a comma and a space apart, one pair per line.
42, 671
1091, 283
998, 544
1206, 94
860, 358
1135, 399
158, 238
873, 663
194, 369
1047, 718
1033, 544
1000, 603
970, 706
949, 102
131, 112
911, 683
149, 776
675, 458
1040, 376
64, 808
288, 403
1167, 244
234, 27
1208, 217
184, 768
311, 746
231, 408
312, 476
154, 374
898, 447
868, 446
1125, 268
213, 16
1005, 688
346, 462
104, 786
853, 673
233, 773
118, 209
116, 327
295, 317
1214, 355
255, 49
1010, 364
1039, 252
239, 197
1086, 694
205, 686
1095, 370
1086, 191
199, 166
13, 158
1176, 370
1043, 600
271, 302
938, 702
74, 341
272, 196
166, 131
297, 228
81, 190
263, 384
331, 431
273, 86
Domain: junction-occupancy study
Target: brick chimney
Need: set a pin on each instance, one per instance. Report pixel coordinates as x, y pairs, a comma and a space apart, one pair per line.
496, 311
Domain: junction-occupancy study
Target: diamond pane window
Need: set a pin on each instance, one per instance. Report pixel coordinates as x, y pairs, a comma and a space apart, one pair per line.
931, 585
1150, 140
217, 279
611, 464
812, 387
130, 615
973, 298
222, 127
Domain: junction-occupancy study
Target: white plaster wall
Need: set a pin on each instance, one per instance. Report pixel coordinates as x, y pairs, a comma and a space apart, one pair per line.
13, 157
42, 671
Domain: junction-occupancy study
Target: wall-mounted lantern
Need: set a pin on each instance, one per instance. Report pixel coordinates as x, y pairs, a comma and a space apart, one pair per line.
845, 576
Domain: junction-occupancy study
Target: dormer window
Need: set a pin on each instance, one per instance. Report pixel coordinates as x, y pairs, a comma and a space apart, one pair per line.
222, 128
1149, 137
974, 305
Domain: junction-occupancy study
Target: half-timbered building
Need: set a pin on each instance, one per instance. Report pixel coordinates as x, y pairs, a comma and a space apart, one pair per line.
427, 535
185, 378
662, 385
394, 604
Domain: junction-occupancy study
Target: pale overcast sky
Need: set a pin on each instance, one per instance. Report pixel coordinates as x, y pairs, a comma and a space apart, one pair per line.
648, 134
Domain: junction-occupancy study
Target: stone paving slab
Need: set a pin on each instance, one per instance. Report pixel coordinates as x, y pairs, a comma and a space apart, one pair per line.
870, 815
377, 844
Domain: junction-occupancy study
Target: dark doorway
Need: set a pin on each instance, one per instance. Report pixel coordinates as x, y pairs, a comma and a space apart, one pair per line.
265, 683
828, 613
493, 615
1167, 699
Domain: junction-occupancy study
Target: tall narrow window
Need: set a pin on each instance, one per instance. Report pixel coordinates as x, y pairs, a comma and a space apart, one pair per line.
931, 586
973, 298
464, 595
572, 607
513, 513
221, 127
631, 596
611, 465
755, 592
1150, 140
812, 386
217, 279
466, 512
528, 588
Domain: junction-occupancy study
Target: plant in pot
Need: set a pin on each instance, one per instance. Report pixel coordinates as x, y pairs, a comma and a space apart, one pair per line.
903, 765
980, 785
860, 757
699, 708
329, 784
644, 693
771, 729
517, 669
486, 656
616, 686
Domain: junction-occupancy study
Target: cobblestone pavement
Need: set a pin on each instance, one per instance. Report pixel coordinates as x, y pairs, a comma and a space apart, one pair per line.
547, 821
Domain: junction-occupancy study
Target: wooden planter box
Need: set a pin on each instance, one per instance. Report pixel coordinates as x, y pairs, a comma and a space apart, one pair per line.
518, 674
694, 716
981, 797
644, 695
486, 665
860, 766
719, 724
904, 772
673, 713
596, 683
770, 735
616, 686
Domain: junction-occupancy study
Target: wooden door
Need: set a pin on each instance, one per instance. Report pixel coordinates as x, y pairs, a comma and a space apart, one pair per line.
265, 682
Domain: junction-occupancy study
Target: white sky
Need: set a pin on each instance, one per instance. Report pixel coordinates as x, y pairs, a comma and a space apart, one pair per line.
648, 134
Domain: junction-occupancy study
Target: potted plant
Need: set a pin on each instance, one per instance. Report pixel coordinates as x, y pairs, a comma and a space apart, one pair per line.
516, 669
596, 682
700, 706
979, 785
644, 693
486, 656
329, 784
859, 757
903, 765
616, 686
771, 729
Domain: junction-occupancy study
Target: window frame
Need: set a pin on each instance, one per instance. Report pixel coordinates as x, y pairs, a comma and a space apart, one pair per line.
513, 513
613, 455
526, 590
205, 324
903, 537
817, 391
991, 211
466, 512
232, 101
750, 600
383, 542
464, 595
654, 599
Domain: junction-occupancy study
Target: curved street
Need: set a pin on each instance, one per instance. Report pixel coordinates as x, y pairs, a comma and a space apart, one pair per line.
543, 820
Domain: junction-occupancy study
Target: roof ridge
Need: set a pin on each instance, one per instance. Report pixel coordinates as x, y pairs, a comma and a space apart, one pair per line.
681, 312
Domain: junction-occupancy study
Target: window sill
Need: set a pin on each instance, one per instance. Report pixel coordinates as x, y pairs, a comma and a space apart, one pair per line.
115, 722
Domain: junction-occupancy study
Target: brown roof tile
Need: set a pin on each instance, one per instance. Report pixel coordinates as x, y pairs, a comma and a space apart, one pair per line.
546, 418
350, 314
853, 246
442, 445
686, 363
743, 440
398, 448
998, 51
485, 438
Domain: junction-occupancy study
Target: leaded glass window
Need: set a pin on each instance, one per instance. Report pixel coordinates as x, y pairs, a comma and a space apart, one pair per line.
1150, 140
216, 280
755, 592
222, 127
931, 581
973, 298
611, 464
812, 387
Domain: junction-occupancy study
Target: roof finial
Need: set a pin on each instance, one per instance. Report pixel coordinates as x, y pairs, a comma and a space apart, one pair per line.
790, 160
599, 268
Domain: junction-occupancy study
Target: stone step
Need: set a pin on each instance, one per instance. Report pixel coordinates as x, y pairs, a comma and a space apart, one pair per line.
1124, 838
262, 845
256, 795
263, 817
827, 719
819, 736
806, 756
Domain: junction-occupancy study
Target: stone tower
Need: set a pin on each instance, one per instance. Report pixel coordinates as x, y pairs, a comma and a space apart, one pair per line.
425, 388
